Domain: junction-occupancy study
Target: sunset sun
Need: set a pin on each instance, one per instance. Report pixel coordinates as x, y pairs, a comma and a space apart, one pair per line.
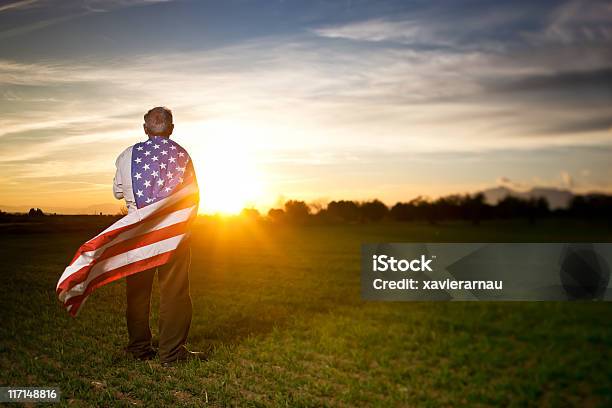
227, 173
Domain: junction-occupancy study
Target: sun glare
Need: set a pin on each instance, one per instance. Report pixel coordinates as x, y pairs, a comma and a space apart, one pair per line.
227, 173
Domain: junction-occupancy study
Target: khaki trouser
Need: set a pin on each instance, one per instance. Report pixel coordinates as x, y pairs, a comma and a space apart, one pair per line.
174, 307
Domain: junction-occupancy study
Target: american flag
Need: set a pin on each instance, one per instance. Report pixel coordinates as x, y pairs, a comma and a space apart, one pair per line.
167, 197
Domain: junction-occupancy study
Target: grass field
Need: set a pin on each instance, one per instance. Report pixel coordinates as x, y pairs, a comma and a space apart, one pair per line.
281, 305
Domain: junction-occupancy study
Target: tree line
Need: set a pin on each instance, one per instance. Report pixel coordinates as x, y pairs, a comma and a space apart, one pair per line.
470, 207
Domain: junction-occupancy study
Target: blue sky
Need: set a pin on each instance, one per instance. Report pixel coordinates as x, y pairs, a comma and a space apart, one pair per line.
315, 100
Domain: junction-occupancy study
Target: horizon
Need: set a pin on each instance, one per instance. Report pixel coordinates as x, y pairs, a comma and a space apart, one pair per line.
489, 193
315, 102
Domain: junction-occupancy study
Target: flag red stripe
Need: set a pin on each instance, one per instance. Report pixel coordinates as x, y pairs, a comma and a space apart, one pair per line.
103, 239
118, 273
145, 226
124, 246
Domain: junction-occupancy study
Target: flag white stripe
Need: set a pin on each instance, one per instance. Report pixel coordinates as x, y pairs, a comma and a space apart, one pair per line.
125, 258
88, 257
145, 212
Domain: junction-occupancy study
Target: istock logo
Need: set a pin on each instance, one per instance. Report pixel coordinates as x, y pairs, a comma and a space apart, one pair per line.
383, 263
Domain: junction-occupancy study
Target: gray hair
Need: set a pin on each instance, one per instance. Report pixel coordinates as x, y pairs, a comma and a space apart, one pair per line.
159, 121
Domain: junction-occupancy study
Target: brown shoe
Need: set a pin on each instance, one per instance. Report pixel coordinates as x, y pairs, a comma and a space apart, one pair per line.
143, 355
187, 355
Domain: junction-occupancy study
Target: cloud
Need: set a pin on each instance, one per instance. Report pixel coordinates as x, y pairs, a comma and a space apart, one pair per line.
24, 29
599, 79
18, 5
433, 25
409, 99
567, 180
593, 124
376, 30
472, 60
49, 13
577, 21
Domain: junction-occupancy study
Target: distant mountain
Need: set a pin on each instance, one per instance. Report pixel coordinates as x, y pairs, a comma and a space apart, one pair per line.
557, 198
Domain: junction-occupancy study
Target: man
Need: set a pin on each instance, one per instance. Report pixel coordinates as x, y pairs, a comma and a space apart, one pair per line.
144, 175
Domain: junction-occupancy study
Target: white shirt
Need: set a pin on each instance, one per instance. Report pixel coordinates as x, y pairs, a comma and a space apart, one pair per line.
122, 183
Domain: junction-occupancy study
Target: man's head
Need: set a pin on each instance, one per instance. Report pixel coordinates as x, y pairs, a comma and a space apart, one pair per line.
158, 122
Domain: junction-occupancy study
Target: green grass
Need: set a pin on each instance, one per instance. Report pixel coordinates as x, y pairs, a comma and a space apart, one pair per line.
282, 307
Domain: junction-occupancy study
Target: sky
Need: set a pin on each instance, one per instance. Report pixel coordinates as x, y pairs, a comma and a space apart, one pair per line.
313, 100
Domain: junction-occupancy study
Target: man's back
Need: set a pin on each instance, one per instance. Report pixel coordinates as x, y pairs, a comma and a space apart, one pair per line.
150, 171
